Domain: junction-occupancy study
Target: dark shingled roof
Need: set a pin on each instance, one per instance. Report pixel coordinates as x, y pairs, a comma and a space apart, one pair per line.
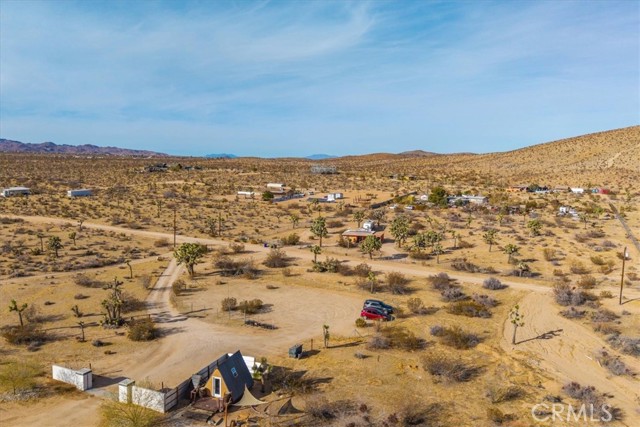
235, 374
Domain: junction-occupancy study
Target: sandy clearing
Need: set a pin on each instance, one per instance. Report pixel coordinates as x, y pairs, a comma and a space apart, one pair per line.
569, 356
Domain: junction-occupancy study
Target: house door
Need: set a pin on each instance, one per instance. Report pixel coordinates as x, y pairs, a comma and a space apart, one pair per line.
216, 387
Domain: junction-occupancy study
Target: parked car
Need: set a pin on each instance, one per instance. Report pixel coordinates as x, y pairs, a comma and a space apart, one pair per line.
379, 305
374, 314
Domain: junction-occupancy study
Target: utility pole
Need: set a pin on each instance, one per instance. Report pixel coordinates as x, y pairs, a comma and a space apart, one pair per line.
175, 209
219, 224
624, 258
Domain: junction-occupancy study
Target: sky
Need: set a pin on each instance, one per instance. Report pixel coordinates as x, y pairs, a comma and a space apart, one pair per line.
294, 78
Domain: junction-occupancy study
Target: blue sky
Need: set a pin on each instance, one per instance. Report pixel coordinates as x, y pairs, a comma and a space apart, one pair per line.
295, 78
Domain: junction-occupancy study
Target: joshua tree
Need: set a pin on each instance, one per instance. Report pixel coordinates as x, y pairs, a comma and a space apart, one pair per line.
14, 307
378, 215
54, 244
455, 235
76, 311
522, 267
81, 324
400, 229
80, 222
295, 219
189, 254
373, 280
41, 237
316, 250
437, 249
325, 335
511, 250
73, 236
516, 320
358, 216
490, 237
370, 245
319, 228
113, 304
128, 262
534, 226
211, 226
584, 218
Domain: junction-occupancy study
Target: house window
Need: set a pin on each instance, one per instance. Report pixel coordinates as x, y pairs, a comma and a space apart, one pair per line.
234, 372
216, 387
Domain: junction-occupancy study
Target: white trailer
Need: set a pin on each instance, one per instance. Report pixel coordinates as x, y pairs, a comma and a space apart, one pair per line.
83, 192
15, 191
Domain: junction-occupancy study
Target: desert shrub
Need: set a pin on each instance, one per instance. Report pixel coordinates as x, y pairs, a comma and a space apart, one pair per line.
361, 323
606, 328
594, 401
32, 314
319, 408
461, 264
345, 269
87, 282
468, 308
397, 283
455, 337
626, 345
286, 272
493, 284
291, 240
612, 363
146, 281
378, 342
142, 330
573, 313
419, 255
231, 267
498, 417
177, 287
236, 247
485, 300
19, 375
229, 304
565, 295
577, 267
419, 414
27, 334
549, 254
453, 294
160, 243
597, 260
440, 281
587, 282
442, 365
505, 394
463, 244
330, 265
276, 258
131, 303
335, 223
606, 294
362, 270
401, 338
603, 315
250, 307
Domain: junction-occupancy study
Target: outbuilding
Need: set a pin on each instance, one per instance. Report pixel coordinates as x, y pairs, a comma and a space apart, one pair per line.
83, 192
15, 191
230, 375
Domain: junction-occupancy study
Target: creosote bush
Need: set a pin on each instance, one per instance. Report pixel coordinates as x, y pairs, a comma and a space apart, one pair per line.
142, 330
493, 284
442, 365
455, 337
228, 304
468, 308
276, 258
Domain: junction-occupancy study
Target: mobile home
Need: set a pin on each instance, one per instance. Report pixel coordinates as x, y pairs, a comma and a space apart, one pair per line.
15, 191
83, 192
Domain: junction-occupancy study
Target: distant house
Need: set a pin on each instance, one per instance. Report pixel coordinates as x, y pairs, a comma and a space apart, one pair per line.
577, 190
322, 169
230, 375
359, 234
517, 189
561, 189
83, 192
247, 194
15, 191
276, 187
466, 199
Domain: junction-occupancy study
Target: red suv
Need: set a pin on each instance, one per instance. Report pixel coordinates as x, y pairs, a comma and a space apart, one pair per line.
373, 314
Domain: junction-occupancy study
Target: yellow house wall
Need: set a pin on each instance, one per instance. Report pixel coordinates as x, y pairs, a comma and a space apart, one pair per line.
223, 386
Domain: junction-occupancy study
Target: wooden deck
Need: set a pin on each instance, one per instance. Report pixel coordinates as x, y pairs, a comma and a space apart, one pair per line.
211, 404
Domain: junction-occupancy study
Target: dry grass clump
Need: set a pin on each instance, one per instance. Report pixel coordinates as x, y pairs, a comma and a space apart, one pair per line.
87, 282
276, 258
603, 315
320, 409
30, 334
587, 282
231, 267
416, 306
395, 337
419, 414
397, 283
142, 330
485, 300
498, 394
594, 401
469, 308
573, 313
461, 264
626, 345
441, 365
499, 417
440, 281
455, 337
565, 295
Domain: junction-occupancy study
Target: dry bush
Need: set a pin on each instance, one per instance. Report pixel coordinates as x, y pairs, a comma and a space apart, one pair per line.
178, 286
598, 260
626, 345
577, 267
87, 282
416, 306
499, 417
276, 258
603, 315
493, 284
250, 307
362, 270
378, 342
236, 248
329, 265
228, 304
498, 394
441, 365
28, 334
485, 300
587, 282
396, 337
455, 337
291, 240
606, 294
593, 400
606, 328
461, 264
613, 363
441, 281
566, 295
161, 243
320, 409
397, 283
549, 254
361, 323
573, 313
453, 294
468, 308
146, 281
142, 330
231, 267
419, 414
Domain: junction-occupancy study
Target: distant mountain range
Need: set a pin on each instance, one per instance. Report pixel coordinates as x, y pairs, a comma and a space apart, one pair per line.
221, 156
9, 146
320, 157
